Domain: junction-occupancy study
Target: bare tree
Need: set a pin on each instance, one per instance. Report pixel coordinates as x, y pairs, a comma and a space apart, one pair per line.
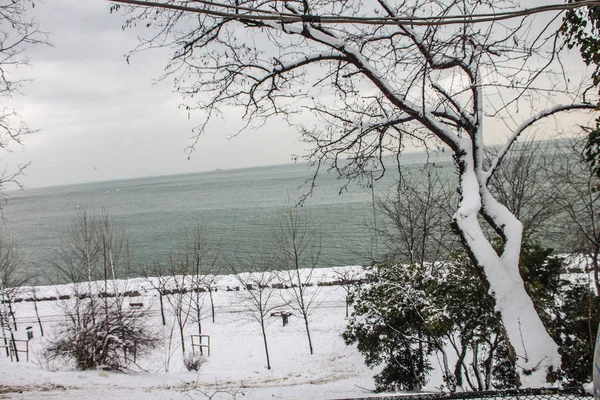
79, 260
18, 31
257, 293
349, 279
99, 331
297, 251
523, 185
211, 285
416, 223
374, 87
157, 275
12, 278
576, 190
203, 267
35, 307
178, 297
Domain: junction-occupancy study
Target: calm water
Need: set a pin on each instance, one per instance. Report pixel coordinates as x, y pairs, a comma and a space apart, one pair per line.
237, 208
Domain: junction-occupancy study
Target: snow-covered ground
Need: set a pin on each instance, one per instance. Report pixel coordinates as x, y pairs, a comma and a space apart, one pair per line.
236, 365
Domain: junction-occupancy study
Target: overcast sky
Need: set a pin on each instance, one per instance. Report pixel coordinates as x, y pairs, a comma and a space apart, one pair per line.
100, 118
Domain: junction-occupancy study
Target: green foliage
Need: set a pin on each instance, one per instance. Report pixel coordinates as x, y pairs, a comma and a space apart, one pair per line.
568, 307
404, 314
388, 326
581, 29
591, 149
575, 331
473, 326
541, 275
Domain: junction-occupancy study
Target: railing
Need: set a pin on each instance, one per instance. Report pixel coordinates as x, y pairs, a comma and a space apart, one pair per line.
11, 348
200, 343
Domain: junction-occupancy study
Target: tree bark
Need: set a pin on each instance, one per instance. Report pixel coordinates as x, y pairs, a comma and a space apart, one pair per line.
264, 333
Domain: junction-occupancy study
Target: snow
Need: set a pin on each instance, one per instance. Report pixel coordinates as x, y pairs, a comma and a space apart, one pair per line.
237, 360
535, 350
526, 124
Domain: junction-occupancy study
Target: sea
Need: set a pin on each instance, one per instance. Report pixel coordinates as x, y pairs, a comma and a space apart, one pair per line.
238, 211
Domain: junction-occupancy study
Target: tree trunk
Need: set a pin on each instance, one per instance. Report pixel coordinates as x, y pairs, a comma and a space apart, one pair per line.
310, 346
212, 304
347, 304
475, 366
264, 333
489, 367
181, 334
199, 318
14, 345
535, 350
37, 315
596, 270
162, 307
11, 312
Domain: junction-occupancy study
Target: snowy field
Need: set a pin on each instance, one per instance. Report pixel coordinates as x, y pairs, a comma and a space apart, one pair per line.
236, 366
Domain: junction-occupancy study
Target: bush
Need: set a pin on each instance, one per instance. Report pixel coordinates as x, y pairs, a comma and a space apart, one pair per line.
101, 335
193, 361
404, 313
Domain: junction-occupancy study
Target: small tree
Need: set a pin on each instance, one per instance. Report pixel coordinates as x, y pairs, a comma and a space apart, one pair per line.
388, 328
99, 332
12, 278
297, 253
106, 336
349, 279
35, 306
576, 191
524, 186
157, 275
416, 227
179, 297
202, 260
257, 293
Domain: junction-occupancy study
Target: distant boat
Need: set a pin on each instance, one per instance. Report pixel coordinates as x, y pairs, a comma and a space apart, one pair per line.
108, 192
219, 169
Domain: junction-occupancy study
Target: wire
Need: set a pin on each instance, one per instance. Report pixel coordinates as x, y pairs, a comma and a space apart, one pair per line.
255, 14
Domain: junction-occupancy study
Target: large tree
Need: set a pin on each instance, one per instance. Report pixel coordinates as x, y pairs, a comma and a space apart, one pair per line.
364, 85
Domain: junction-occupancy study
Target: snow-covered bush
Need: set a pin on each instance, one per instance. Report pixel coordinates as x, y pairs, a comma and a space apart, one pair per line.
406, 313
568, 307
101, 334
193, 361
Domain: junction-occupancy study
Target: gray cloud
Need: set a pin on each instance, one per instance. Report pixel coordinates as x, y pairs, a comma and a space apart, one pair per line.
101, 118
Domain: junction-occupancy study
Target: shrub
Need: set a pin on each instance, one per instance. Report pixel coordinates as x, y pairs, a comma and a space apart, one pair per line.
101, 334
193, 361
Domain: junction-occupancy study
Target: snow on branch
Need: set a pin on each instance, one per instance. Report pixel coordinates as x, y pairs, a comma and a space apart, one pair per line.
526, 124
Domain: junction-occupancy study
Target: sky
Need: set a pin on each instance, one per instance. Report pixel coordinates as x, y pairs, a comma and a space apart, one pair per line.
100, 118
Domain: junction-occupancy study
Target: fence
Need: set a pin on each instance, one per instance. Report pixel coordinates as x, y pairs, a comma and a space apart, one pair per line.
523, 394
201, 345
11, 347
